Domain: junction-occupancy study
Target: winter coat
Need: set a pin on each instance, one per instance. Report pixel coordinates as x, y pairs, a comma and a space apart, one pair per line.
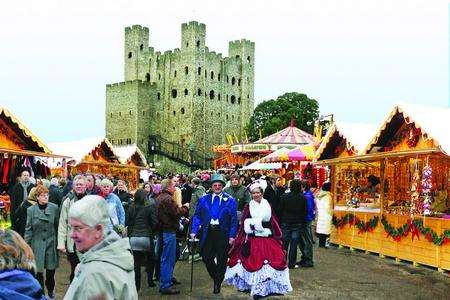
21, 216
292, 208
197, 193
168, 212
16, 196
64, 239
311, 205
40, 234
324, 212
240, 194
141, 220
116, 210
19, 285
54, 195
106, 271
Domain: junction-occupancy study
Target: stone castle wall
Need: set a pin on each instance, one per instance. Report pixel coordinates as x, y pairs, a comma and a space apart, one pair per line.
189, 95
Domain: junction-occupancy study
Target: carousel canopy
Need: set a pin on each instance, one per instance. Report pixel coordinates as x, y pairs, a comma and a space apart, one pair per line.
80, 149
432, 120
300, 153
289, 135
126, 153
355, 135
14, 131
258, 165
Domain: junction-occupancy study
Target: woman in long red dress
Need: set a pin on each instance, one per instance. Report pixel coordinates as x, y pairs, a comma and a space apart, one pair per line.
257, 261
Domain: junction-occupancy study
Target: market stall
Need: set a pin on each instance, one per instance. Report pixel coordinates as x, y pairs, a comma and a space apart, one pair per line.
392, 197
97, 155
20, 150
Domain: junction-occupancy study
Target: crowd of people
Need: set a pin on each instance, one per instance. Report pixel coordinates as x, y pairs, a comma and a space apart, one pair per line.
248, 229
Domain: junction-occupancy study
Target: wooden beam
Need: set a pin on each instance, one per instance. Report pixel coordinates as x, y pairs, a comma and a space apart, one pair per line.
31, 153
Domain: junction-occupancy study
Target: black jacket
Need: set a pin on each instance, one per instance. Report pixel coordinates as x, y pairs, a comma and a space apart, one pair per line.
16, 196
293, 209
54, 195
141, 220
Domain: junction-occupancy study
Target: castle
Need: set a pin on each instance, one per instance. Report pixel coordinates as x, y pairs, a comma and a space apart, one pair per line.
191, 95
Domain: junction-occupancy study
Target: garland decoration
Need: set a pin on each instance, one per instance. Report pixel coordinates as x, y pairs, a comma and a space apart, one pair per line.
353, 220
415, 227
414, 192
426, 188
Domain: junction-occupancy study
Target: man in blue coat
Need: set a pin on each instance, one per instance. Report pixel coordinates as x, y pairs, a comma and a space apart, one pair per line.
216, 214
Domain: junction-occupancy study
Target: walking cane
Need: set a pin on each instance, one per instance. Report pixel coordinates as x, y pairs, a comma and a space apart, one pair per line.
192, 241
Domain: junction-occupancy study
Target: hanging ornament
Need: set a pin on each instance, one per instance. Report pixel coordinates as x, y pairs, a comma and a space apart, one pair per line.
426, 188
415, 199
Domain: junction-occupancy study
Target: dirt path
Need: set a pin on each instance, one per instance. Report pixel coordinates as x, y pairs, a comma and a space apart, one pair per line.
338, 274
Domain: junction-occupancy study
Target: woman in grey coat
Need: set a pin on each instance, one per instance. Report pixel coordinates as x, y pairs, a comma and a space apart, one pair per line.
40, 234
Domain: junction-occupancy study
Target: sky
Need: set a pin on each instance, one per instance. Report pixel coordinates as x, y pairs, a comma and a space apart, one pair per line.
356, 58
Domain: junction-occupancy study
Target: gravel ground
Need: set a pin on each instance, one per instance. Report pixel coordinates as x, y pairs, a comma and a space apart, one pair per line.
337, 274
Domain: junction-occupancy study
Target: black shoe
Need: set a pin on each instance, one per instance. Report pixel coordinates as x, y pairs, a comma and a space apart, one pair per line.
216, 288
170, 291
175, 281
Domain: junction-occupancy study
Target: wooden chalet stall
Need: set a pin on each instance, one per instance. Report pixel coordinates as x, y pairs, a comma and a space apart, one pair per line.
97, 156
20, 149
405, 212
134, 158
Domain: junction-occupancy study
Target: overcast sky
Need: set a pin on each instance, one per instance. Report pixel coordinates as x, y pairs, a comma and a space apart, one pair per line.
357, 58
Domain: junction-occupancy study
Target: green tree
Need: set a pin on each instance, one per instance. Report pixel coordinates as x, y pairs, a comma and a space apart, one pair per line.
273, 115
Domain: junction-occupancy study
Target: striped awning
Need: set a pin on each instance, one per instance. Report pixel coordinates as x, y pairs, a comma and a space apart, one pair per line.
289, 135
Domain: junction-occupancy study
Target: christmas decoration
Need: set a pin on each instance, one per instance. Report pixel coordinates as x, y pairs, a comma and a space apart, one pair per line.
415, 226
426, 189
415, 199
355, 221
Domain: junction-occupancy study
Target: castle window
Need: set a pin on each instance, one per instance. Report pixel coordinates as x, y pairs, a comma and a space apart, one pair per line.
111, 115
233, 81
130, 113
218, 96
239, 82
239, 100
174, 93
248, 58
120, 141
211, 94
232, 117
187, 45
157, 114
237, 56
130, 54
199, 92
141, 47
159, 76
147, 76
227, 98
159, 96
174, 113
143, 112
198, 44
248, 80
185, 92
218, 77
212, 75
112, 141
206, 74
120, 113
186, 70
175, 73
248, 96
199, 70
182, 111
227, 117
233, 99
227, 79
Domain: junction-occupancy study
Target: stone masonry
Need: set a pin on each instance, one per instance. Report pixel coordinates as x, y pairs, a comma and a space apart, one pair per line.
189, 95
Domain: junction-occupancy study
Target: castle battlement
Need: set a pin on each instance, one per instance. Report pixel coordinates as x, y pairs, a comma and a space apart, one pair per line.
178, 92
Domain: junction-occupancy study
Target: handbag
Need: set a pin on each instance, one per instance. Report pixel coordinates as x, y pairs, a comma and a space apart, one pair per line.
245, 250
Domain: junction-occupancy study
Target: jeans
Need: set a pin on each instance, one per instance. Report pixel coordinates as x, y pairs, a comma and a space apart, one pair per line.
291, 236
142, 258
306, 243
168, 257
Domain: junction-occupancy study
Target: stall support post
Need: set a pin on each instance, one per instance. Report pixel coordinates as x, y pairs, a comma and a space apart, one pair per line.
382, 176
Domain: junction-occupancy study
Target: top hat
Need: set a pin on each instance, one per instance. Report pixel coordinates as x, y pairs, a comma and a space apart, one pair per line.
218, 178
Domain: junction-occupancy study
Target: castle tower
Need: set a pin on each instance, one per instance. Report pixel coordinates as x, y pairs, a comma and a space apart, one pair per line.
244, 51
136, 53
